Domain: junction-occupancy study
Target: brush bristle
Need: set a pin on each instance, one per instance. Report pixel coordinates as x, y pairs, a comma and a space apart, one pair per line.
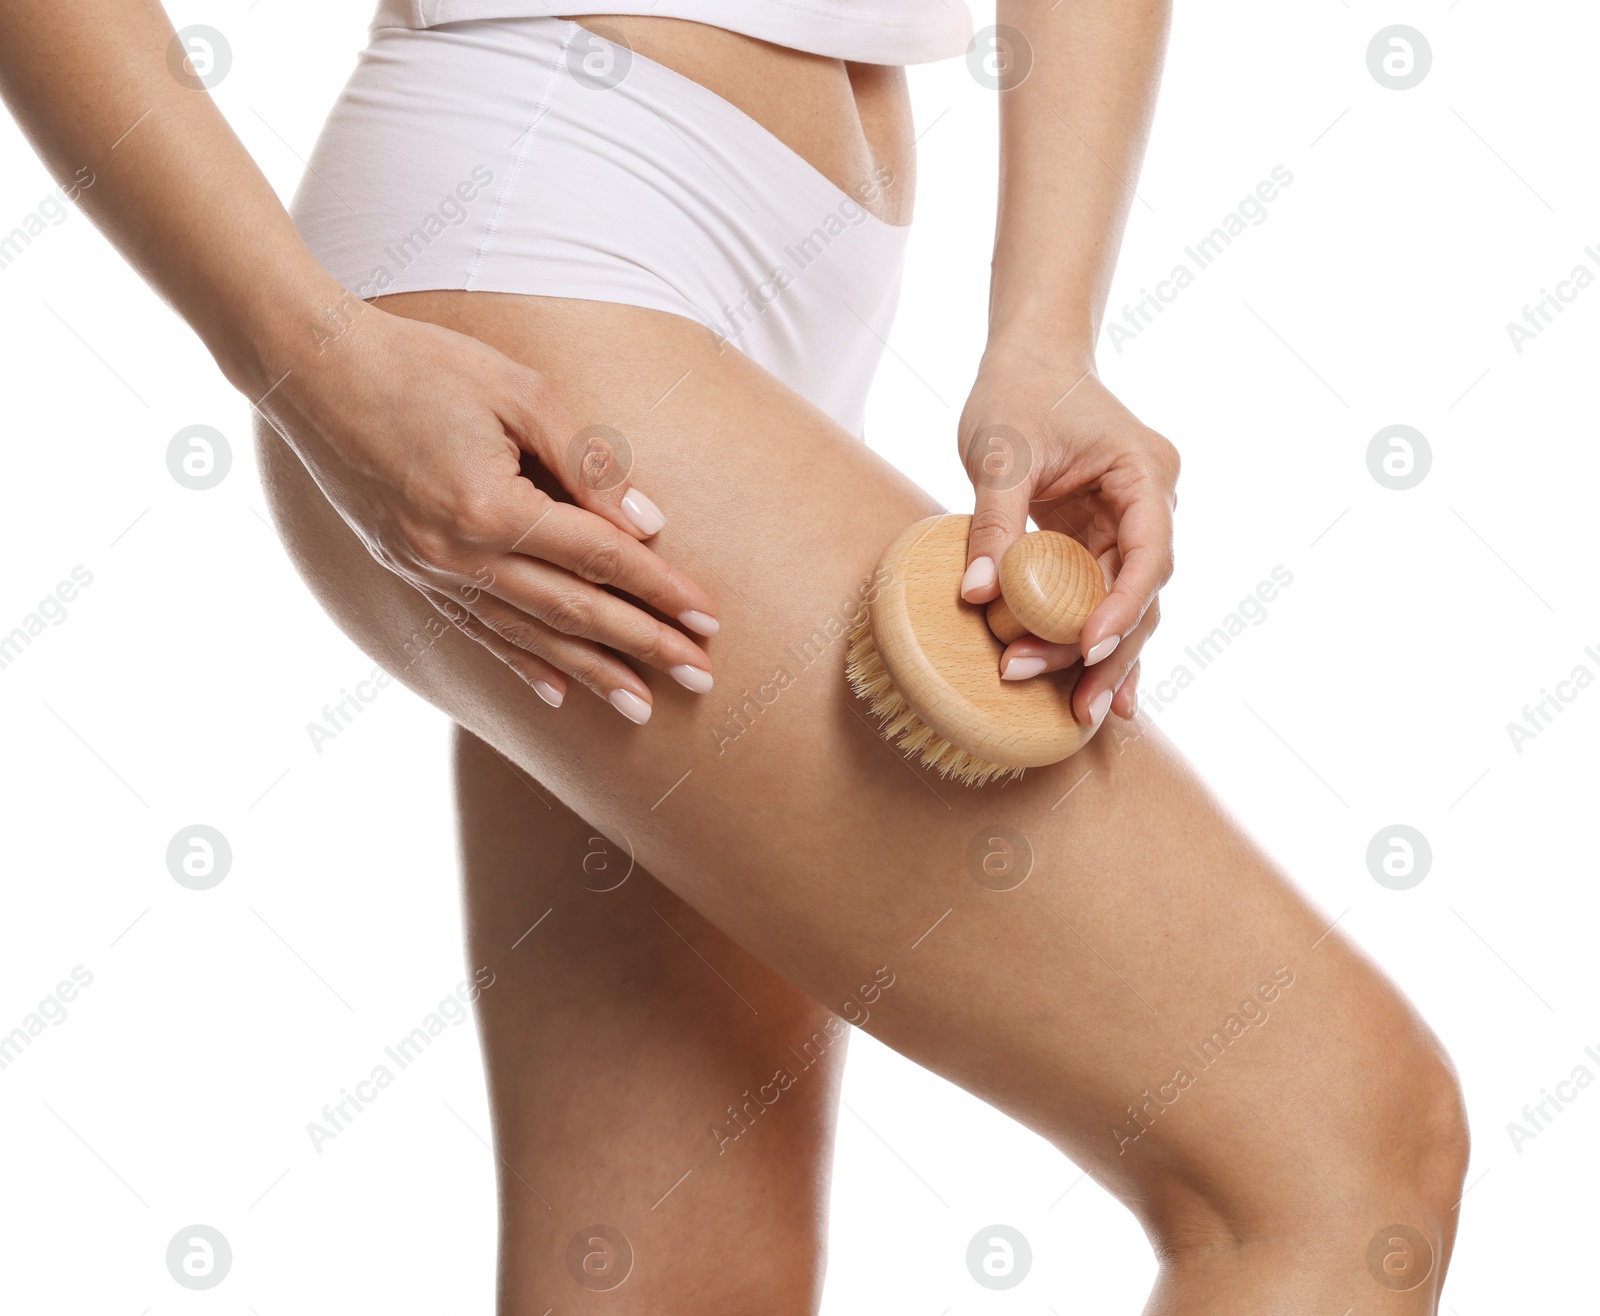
900, 726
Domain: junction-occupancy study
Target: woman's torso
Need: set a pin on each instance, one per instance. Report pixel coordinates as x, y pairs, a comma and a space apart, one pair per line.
851, 121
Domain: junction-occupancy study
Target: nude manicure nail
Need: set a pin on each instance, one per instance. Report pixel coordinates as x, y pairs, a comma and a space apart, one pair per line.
980, 575
630, 706
1020, 669
1098, 706
548, 693
699, 622
642, 512
691, 678
1104, 649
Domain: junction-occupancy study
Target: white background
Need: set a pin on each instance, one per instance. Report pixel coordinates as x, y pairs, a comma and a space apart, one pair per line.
1377, 691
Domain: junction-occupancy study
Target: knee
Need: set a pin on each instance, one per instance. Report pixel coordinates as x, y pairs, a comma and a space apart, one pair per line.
1387, 1143
1397, 1144
1397, 1184
1426, 1119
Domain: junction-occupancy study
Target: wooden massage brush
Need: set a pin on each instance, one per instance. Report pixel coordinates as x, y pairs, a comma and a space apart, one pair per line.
928, 662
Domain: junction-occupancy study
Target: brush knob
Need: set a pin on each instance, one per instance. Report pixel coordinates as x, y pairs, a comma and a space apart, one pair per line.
1049, 584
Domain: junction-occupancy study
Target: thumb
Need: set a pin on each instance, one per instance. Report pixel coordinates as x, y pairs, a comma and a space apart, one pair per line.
999, 460
594, 463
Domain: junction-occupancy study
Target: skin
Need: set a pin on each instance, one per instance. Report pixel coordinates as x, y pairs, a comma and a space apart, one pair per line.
808, 844
784, 867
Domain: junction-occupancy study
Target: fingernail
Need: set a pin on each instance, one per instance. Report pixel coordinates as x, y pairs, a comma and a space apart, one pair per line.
1020, 669
691, 678
1102, 650
642, 512
630, 706
548, 693
699, 623
1098, 706
980, 575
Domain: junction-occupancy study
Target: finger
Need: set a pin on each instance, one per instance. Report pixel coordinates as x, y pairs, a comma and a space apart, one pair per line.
1097, 533
1110, 563
1144, 539
588, 546
1096, 689
593, 462
1030, 656
525, 590
1000, 463
1125, 703
547, 682
608, 677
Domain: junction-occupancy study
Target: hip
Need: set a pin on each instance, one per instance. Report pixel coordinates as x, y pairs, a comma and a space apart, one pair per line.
536, 156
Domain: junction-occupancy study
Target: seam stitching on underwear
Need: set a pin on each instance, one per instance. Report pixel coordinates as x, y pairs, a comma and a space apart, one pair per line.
524, 145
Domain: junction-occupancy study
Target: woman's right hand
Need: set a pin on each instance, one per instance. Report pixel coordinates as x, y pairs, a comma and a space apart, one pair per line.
417, 434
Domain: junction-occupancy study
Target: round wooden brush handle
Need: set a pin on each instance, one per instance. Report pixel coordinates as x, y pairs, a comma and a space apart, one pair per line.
1049, 584
938, 657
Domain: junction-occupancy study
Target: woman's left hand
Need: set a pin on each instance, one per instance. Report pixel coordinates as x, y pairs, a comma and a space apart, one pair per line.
1042, 436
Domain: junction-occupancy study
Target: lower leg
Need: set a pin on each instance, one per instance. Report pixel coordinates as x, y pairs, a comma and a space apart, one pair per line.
647, 1157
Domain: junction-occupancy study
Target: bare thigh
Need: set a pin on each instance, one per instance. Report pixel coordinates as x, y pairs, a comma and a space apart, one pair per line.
1071, 1001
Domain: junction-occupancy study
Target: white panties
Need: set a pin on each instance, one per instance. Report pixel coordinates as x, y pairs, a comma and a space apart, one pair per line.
529, 155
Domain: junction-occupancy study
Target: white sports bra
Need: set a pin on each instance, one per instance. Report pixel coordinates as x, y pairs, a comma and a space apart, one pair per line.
864, 31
